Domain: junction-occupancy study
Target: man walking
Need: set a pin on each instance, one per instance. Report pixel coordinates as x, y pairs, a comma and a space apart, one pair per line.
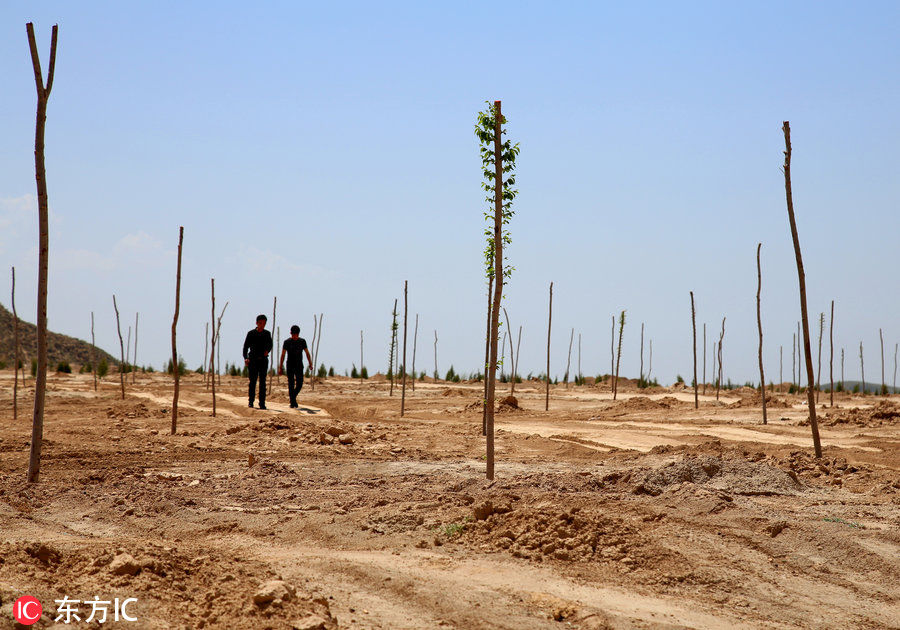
294, 348
257, 347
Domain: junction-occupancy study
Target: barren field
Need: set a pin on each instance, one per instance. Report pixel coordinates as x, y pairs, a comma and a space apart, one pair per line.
638, 513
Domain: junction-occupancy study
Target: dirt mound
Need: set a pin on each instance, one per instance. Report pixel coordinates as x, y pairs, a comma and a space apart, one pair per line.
642, 403
171, 585
570, 535
754, 399
884, 413
731, 475
127, 409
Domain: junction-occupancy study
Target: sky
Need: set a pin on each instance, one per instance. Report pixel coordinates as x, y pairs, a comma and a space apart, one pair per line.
324, 153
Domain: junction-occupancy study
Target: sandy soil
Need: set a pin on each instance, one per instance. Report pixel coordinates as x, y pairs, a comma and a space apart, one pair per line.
637, 513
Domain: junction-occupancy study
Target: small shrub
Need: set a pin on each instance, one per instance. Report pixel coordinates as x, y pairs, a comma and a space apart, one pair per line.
839, 387
102, 368
679, 378
353, 372
200, 370
182, 367
451, 375
322, 373
856, 388
364, 372
149, 369
64, 367
2, 365
34, 368
331, 371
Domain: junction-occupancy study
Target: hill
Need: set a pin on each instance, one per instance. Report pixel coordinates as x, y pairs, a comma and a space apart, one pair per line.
59, 347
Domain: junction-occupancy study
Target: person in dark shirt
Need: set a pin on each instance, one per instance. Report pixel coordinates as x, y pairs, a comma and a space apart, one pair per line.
294, 348
257, 347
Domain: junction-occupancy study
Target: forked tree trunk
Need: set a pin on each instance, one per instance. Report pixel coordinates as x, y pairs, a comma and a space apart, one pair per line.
619, 354
312, 349
762, 376
405, 313
121, 349
415, 340
487, 353
819, 366
175, 370
40, 176
694, 328
491, 374
16, 348
549, 325
93, 353
569, 360
212, 342
831, 356
811, 398
719, 382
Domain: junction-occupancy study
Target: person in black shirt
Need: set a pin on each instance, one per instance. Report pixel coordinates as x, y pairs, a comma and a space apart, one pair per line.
257, 347
294, 348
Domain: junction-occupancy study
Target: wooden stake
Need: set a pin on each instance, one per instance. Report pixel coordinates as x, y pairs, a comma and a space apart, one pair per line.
862, 369
121, 349
580, 375
212, 342
175, 370
842, 369
361, 379
569, 360
794, 359
813, 422
694, 328
415, 341
883, 388
762, 376
819, 368
650, 362
93, 353
896, 345
274, 349
780, 367
435, 356
704, 358
40, 176
612, 350
641, 371
134, 367
318, 343
831, 355
16, 349
549, 323
128, 350
403, 386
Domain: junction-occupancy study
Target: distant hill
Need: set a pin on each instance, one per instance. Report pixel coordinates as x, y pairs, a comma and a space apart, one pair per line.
59, 347
871, 388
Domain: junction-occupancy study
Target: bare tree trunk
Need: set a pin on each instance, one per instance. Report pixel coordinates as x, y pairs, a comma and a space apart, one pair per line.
391, 366
842, 369
40, 176
175, 370
619, 355
814, 425
719, 379
800, 357
415, 341
862, 369
641, 371
134, 367
274, 349
491, 374
361, 379
580, 375
780, 368
896, 345
503, 353
762, 376
794, 359
405, 314
612, 350
218, 346
549, 323
128, 366
819, 367
16, 348
121, 349
650, 362
512, 356
435, 356
883, 388
694, 328
569, 360
212, 342
93, 353
487, 354
205, 356
318, 343
704, 358
831, 356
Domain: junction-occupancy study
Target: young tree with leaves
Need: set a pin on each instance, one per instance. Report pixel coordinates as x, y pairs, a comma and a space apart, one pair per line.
498, 161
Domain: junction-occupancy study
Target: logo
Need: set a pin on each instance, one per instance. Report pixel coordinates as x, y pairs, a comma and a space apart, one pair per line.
27, 610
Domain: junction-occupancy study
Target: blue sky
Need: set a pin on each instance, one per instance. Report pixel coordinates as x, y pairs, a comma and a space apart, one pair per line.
324, 153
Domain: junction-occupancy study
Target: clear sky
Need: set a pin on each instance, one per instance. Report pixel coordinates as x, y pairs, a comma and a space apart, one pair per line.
324, 153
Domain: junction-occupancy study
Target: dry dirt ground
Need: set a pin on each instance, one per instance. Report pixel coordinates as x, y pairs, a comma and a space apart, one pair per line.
636, 513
